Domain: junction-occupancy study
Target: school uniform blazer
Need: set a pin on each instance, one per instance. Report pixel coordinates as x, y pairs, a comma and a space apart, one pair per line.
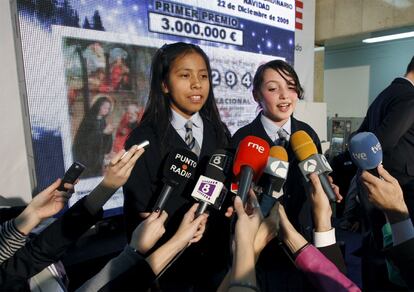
295, 196
391, 118
145, 182
143, 187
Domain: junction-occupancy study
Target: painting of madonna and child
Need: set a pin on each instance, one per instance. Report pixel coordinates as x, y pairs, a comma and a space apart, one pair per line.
107, 90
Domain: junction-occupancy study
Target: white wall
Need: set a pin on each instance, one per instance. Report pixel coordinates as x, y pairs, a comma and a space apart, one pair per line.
14, 165
313, 113
347, 91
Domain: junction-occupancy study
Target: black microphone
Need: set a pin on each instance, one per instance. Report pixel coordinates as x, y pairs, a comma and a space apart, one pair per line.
311, 161
179, 167
273, 178
210, 190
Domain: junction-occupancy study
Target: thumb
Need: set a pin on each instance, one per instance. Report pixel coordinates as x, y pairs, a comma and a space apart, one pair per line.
316, 183
154, 215
238, 205
385, 174
53, 186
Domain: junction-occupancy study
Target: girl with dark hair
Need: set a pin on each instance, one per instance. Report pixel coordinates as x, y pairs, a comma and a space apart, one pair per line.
94, 138
276, 89
181, 91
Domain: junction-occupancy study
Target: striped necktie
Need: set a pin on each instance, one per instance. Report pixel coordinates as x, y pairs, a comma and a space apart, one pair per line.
282, 140
189, 138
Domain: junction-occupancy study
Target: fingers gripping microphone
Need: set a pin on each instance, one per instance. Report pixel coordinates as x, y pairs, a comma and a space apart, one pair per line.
366, 151
273, 177
179, 167
311, 161
210, 190
249, 162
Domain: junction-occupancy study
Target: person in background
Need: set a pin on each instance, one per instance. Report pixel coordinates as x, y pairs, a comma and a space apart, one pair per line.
391, 118
386, 194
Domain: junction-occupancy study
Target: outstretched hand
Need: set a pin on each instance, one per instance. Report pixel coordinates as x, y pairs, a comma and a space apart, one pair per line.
191, 228
47, 203
386, 194
248, 220
268, 229
321, 207
148, 232
120, 167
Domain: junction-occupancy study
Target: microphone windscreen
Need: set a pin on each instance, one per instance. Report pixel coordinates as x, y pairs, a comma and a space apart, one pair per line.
219, 165
302, 145
365, 150
252, 152
179, 166
278, 152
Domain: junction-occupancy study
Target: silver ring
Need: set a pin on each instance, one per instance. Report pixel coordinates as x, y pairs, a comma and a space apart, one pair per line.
255, 204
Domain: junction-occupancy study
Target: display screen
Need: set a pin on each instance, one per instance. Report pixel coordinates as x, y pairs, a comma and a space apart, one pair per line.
87, 66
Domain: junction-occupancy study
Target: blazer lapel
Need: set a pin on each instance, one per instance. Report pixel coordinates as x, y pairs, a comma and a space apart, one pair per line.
209, 139
259, 131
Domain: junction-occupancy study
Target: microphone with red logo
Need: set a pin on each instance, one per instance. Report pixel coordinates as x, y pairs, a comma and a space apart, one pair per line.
311, 161
249, 162
179, 167
273, 178
210, 189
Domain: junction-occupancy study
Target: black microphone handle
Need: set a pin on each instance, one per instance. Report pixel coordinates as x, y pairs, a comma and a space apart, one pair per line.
201, 208
246, 177
326, 185
163, 198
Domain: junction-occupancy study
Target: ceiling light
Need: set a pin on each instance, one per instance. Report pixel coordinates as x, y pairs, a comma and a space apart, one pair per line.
390, 37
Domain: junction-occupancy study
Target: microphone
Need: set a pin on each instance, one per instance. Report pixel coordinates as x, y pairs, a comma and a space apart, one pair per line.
366, 152
311, 161
249, 162
273, 177
179, 167
210, 190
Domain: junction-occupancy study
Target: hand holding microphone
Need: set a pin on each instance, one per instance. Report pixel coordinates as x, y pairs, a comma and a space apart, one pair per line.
148, 232
383, 189
311, 161
386, 194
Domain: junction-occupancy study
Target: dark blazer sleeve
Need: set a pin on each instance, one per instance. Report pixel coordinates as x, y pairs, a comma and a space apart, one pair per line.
333, 253
141, 274
402, 256
144, 180
49, 246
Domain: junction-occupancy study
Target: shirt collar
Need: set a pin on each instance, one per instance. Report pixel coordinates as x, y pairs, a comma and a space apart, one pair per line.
178, 121
271, 127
